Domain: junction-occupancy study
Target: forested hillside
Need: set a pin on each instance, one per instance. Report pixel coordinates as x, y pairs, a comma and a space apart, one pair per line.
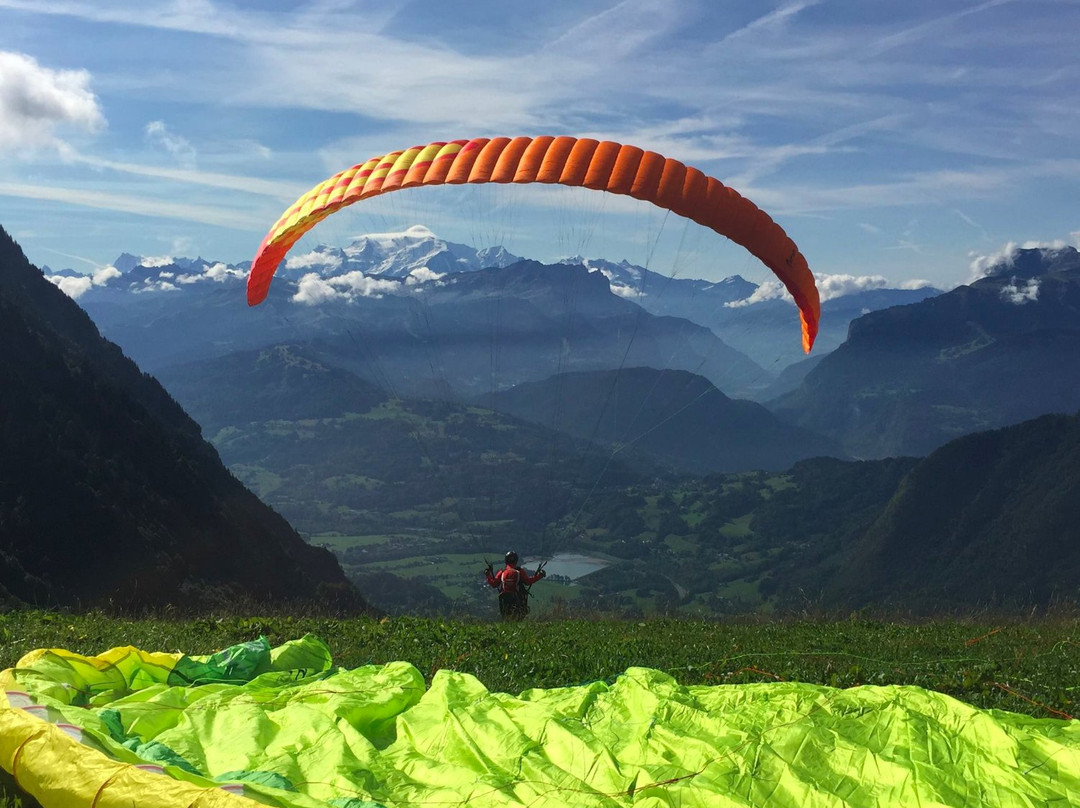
992, 517
108, 494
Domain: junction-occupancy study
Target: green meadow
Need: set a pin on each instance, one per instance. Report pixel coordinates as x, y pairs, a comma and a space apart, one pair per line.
1027, 665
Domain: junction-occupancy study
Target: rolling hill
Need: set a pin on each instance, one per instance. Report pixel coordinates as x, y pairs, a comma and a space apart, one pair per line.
675, 416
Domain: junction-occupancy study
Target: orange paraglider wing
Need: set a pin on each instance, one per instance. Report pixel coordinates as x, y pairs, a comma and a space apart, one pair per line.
600, 165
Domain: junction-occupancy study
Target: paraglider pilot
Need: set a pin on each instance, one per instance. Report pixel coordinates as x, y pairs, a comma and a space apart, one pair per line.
513, 584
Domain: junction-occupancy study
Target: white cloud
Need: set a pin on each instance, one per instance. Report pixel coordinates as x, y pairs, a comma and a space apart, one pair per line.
76, 287
915, 283
428, 84
984, 265
158, 134
71, 286
622, 290
155, 285
182, 245
35, 101
1056, 244
313, 290
768, 290
1019, 295
258, 149
829, 287
908, 36
357, 284
421, 275
1000, 262
972, 222
217, 273
911, 189
623, 29
833, 286
315, 258
106, 274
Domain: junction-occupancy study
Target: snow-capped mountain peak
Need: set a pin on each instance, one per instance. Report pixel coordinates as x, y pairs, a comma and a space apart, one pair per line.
397, 255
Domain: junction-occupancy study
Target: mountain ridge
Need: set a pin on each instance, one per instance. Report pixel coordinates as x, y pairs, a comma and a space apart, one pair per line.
389, 264
982, 356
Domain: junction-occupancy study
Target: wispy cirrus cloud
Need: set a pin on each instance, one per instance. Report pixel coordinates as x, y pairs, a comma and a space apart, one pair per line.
906, 36
945, 186
769, 22
617, 32
808, 108
140, 205
178, 146
278, 189
187, 16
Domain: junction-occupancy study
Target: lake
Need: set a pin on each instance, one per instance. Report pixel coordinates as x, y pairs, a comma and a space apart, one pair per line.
571, 565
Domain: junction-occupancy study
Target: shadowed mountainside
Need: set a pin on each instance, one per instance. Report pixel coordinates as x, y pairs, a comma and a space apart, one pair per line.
109, 496
988, 520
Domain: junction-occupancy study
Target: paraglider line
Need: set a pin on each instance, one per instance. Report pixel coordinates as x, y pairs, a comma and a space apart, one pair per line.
1022, 697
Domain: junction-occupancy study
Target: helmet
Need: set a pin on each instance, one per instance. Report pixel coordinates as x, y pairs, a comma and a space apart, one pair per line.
511, 557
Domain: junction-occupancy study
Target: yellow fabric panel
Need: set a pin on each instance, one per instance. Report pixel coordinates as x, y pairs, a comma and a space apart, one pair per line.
60, 772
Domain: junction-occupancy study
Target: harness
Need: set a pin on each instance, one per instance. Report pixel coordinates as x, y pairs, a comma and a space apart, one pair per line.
509, 580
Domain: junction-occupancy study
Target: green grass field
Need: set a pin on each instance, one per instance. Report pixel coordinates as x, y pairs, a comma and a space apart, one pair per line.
1024, 665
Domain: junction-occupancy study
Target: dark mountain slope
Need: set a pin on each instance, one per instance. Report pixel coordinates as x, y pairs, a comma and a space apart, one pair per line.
989, 519
673, 415
910, 378
108, 494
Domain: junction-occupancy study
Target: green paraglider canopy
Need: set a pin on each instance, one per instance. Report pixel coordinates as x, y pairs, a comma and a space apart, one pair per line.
284, 727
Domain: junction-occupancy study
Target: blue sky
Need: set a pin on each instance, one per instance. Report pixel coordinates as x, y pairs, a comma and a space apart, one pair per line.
900, 140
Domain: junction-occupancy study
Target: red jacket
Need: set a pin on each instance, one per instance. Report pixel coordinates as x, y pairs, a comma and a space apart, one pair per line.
509, 578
